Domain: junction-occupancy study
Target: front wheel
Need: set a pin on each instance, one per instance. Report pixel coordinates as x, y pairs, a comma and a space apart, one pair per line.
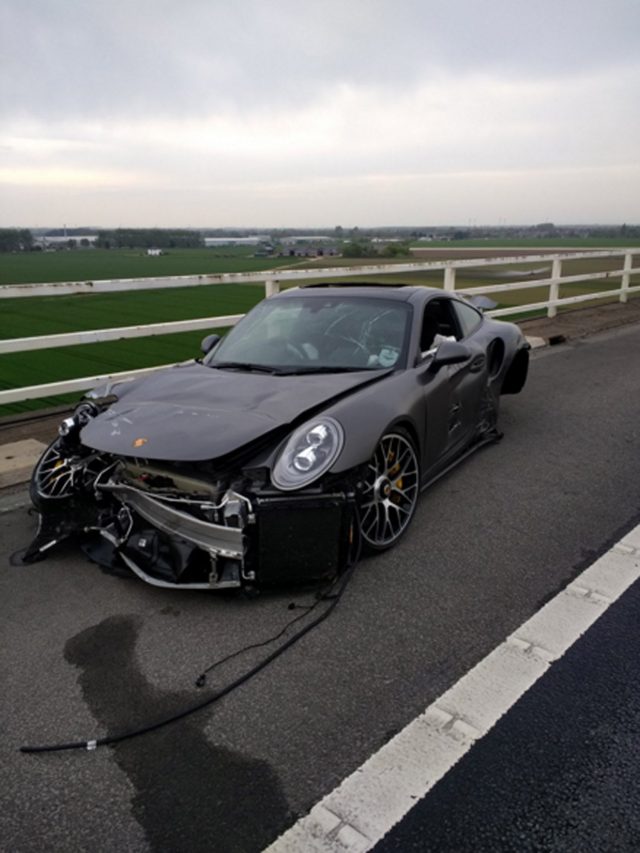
53, 475
390, 494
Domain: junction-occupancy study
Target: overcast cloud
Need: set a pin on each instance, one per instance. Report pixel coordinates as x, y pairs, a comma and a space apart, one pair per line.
289, 113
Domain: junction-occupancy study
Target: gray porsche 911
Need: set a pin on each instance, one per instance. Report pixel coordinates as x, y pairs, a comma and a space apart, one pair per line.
309, 430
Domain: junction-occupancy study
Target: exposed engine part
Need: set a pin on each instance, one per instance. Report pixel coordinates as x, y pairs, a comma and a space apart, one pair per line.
216, 538
166, 480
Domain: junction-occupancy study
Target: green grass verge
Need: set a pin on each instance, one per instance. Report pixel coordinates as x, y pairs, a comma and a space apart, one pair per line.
49, 315
55, 365
53, 315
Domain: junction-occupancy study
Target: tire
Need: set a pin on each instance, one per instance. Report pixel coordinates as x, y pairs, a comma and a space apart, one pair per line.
516, 375
45, 483
390, 495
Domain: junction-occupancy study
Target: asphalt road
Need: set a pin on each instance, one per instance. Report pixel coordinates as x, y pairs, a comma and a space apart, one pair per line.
84, 653
570, 784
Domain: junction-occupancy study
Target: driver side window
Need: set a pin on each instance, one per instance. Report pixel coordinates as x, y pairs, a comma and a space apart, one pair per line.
439, 323
469, 318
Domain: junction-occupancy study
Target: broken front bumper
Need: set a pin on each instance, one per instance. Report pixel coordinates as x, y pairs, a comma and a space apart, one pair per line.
163, 544
276, 540
262, 540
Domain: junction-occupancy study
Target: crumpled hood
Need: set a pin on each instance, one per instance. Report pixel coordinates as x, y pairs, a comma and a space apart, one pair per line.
193, 413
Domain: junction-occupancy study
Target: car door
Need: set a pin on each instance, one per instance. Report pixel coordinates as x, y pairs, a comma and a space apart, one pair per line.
453, 392
469, 379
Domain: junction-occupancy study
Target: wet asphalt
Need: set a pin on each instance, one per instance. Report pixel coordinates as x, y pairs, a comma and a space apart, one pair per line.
84, 653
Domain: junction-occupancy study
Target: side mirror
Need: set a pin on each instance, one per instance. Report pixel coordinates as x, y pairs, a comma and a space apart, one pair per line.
450, 352
208, 343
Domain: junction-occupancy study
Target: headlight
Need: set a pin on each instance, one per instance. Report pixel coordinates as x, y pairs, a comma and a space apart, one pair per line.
309, 453
82, 415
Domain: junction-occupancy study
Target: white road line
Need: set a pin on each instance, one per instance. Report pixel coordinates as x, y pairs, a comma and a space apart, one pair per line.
367, 804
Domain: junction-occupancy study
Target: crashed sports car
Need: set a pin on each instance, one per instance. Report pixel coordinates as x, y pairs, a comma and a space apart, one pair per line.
306, 432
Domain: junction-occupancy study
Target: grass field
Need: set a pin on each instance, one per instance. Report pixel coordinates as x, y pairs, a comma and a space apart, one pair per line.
96, 264
51, 315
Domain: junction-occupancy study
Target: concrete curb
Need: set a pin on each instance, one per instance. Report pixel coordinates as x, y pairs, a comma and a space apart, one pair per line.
536, 343
17, 460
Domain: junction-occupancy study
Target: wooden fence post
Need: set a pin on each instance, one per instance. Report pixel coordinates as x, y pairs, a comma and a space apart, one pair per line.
626, 276
554, 287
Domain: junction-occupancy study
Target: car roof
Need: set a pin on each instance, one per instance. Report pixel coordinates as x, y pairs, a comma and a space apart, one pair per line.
399, 292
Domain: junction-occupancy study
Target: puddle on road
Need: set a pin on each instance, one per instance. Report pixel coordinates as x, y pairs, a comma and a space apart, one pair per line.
190, 794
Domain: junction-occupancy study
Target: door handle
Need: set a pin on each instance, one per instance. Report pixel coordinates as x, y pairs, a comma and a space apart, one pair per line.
477, 363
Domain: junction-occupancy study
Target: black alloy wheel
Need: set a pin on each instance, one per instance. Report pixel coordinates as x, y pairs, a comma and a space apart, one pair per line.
390, 495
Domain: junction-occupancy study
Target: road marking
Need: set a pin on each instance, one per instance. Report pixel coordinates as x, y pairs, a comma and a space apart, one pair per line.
369, 802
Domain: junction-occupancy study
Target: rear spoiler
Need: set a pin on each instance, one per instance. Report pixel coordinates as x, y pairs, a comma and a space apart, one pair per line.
483, 303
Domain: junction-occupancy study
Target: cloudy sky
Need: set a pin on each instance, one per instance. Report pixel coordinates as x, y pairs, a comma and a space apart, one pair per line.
289, 112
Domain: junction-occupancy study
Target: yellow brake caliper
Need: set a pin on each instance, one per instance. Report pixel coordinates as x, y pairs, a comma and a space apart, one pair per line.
392, 473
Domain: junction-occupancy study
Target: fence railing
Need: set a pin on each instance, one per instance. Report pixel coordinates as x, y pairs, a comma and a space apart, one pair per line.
274, 279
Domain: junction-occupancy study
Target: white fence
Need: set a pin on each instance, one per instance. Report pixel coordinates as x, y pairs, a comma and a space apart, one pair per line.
274, 279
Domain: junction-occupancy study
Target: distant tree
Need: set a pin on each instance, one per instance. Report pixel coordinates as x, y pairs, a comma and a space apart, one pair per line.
358, 249
396, 250
15, 240
147, 238
545, 229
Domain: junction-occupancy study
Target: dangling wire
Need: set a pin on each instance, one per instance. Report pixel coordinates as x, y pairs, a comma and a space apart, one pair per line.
321, 597
341, 582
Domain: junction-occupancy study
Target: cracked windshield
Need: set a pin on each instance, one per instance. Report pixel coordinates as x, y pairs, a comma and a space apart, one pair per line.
314, 334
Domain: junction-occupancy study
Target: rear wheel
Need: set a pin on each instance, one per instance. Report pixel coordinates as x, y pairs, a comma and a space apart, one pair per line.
390, 495
516, 374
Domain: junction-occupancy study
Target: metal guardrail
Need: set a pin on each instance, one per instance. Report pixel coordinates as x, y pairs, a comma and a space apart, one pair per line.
273, 280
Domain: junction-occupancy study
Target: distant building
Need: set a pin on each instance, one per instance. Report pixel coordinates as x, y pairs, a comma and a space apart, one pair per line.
57, 240
257, 240
154, 252
307, 238
309, 246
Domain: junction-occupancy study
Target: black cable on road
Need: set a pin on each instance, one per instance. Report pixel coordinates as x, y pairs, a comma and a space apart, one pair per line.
109, 740
321, 597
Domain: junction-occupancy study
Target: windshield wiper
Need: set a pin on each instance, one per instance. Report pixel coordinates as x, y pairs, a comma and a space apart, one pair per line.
244, 365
